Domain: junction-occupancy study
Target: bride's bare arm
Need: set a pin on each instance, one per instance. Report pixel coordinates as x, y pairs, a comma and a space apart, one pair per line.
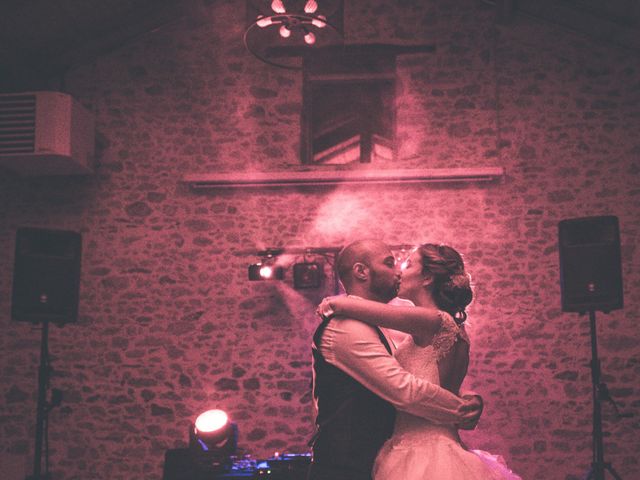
413, 320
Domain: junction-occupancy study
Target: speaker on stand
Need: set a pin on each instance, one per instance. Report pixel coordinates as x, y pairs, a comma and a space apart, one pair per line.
590, 280
46, 287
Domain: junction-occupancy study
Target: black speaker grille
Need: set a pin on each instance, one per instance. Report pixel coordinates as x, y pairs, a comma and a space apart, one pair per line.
590, 266
46, 276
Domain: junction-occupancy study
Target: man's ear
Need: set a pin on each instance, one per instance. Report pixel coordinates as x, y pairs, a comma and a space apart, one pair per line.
360, 271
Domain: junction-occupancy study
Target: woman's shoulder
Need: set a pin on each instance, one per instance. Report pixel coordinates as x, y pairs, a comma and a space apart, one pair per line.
450, 332
448, 323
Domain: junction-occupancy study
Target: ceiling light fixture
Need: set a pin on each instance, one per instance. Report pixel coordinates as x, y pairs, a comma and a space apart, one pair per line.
279, 32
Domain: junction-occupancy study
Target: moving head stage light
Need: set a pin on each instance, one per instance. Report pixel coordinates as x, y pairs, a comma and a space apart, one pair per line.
213, 441
214, 437
211, 455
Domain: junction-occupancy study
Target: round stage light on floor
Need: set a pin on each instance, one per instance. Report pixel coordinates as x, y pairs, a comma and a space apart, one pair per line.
211, 421
214, 433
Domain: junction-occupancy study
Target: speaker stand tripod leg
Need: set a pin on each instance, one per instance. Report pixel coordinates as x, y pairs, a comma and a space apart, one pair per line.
608, 467
598, 466
41, 414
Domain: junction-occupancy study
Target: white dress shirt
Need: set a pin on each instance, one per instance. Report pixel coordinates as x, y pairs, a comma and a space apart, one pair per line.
355, 348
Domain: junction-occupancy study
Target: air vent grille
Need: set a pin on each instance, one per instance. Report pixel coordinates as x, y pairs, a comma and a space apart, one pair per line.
17, 124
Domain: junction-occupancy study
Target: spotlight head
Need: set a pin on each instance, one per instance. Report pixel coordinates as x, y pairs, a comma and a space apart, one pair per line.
214, 438
211, 421
307, 275
266, 271
261, 271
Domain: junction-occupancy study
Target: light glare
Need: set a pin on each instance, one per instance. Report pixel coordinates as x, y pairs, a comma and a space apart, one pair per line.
285, 32
211, 420
320, 21
277, 6
263, 22
266, 271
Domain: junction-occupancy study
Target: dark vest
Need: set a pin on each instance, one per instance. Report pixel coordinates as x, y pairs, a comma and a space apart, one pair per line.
352, 421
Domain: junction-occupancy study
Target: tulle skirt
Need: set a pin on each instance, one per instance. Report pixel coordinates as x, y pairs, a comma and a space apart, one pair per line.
437, 457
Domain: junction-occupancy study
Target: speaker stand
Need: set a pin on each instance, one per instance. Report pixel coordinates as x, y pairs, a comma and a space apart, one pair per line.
600, 392
43, 408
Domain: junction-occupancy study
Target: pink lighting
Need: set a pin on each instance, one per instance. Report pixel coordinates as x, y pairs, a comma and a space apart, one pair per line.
319, 22
310, 38
304, 24
211, 420
285, 32
277, 6
311, 6
263, 22
266, 271
341, 216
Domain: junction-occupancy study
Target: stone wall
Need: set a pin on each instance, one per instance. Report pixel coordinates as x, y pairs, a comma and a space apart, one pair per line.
169, 325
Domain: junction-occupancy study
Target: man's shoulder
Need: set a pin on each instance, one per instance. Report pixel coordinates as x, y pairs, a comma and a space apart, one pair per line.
351, 326
349, 338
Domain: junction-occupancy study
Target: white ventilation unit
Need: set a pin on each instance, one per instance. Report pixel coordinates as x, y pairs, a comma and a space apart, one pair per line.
45, 133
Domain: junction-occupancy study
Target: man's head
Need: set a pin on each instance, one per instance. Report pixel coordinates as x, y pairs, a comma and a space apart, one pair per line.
367, 268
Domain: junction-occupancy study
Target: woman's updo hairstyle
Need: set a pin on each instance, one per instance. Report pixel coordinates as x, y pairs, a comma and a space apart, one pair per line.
451, 286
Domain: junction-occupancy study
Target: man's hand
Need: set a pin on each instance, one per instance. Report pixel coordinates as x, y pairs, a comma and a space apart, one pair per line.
470, 411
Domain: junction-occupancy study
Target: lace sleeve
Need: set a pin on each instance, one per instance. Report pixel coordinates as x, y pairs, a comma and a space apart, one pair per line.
450, 332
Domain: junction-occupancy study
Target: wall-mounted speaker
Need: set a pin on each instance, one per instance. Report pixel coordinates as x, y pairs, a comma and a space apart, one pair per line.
590, 266
46, 275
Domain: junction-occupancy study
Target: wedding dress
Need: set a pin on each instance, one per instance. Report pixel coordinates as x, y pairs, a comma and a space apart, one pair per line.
421, 450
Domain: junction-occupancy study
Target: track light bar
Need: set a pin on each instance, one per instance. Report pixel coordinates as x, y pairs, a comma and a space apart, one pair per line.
342, 177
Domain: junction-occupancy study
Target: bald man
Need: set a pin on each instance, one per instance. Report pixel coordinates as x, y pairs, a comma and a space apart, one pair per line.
358, 384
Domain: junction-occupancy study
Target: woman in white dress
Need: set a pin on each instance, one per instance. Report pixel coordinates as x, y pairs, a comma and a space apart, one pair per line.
436, 349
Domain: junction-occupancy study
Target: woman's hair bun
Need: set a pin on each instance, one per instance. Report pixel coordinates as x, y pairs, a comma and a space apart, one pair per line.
454, 294
451, 284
